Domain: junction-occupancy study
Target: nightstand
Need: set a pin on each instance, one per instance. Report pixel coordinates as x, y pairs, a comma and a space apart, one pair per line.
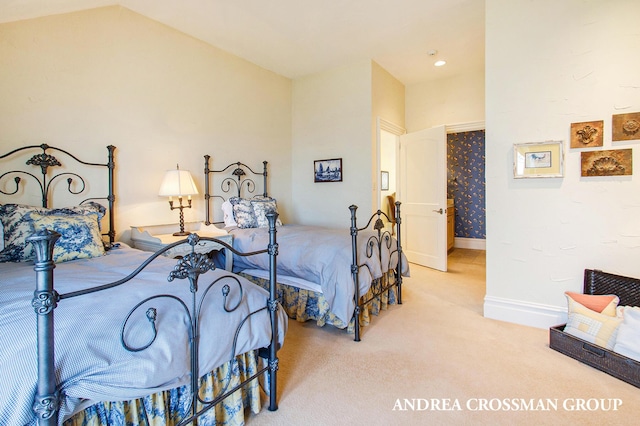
155, 237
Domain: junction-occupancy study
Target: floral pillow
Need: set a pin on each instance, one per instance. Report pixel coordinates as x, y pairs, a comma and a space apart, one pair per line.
243, 213
79, 235
263, 206
18, 225
253, 213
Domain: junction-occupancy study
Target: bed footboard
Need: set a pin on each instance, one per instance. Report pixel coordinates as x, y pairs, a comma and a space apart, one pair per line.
375, 246
47, 400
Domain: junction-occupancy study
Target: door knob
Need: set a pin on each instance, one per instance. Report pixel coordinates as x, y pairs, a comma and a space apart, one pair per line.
439, 211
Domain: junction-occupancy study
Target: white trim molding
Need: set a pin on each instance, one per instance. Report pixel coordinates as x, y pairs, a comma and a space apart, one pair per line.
470, 243
465, 127
524, 313
390, 127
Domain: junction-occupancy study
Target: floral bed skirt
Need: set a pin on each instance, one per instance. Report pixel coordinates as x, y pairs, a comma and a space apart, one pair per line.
169, 407
304, 305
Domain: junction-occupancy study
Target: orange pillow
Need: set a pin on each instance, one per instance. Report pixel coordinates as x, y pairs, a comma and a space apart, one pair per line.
604, 304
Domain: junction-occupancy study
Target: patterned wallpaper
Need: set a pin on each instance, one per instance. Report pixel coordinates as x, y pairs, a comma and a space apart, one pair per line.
465, 182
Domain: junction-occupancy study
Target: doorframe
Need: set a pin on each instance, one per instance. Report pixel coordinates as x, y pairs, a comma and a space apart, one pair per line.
387, 126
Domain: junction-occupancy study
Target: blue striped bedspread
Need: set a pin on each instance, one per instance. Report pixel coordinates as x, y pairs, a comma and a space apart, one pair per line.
91, 363
322, 256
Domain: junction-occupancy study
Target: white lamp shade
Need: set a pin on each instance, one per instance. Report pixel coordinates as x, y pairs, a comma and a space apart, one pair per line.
177, 183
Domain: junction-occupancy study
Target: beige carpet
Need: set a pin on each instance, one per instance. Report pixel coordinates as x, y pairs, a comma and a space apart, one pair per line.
437, 348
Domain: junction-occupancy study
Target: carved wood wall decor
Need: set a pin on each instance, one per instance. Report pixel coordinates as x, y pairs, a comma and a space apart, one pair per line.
615, 162
626, 126
587, 134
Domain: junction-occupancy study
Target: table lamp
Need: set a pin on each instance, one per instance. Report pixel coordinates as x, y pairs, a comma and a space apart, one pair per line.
178, 183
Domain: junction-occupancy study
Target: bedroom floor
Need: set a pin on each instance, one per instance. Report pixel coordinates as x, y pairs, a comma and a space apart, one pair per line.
438, 351
462, 256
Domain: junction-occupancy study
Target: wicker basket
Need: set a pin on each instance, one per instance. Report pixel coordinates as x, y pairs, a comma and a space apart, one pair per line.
598, 282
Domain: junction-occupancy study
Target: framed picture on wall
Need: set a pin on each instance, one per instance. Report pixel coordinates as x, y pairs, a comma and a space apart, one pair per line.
327, 170
538, 159
384, 181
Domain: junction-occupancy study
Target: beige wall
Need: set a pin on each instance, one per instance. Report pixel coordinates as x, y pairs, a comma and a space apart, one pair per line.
332, 119
334, 116
454, 100
388, 103
85, 80
388, 97
550, 65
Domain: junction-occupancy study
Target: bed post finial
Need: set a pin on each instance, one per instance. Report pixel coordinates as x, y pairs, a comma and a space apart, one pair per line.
207, 196
45, 300
111, 198
264, 174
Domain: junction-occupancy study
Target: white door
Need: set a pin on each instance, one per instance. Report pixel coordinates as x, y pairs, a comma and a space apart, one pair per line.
423, 193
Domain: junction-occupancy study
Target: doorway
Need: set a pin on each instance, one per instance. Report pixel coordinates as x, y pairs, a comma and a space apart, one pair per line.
471, 213
388, 142
466, 188
388, 173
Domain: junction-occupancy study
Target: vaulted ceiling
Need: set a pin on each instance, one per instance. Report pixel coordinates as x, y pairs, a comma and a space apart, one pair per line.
299, 37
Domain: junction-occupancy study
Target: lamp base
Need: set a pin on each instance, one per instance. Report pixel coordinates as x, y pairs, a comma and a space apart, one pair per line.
181, 234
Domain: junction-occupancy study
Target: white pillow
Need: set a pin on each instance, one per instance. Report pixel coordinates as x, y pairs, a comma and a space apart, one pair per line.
227, 211
628, 338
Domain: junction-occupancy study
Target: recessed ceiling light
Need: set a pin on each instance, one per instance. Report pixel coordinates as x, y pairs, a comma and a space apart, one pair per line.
440, 63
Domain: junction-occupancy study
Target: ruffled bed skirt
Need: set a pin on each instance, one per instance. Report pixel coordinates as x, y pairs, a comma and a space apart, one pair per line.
305, 305
169, 407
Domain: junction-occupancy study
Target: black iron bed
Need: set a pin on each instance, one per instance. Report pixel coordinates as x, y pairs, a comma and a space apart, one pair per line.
57, 386
369, 254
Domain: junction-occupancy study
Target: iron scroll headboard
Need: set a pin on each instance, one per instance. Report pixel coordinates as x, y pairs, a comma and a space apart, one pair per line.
240, 176
46, 298
45, 160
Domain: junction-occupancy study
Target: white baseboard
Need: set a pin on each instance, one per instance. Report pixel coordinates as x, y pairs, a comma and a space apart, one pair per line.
524, 313
470, 243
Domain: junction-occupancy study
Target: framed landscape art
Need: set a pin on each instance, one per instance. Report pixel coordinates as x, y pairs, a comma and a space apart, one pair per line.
327, 170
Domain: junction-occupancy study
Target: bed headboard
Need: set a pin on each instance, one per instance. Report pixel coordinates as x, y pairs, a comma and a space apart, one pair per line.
236, 177
47, 165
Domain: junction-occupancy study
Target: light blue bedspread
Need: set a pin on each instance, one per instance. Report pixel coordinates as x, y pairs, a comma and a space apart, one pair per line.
322, 256
91, 363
